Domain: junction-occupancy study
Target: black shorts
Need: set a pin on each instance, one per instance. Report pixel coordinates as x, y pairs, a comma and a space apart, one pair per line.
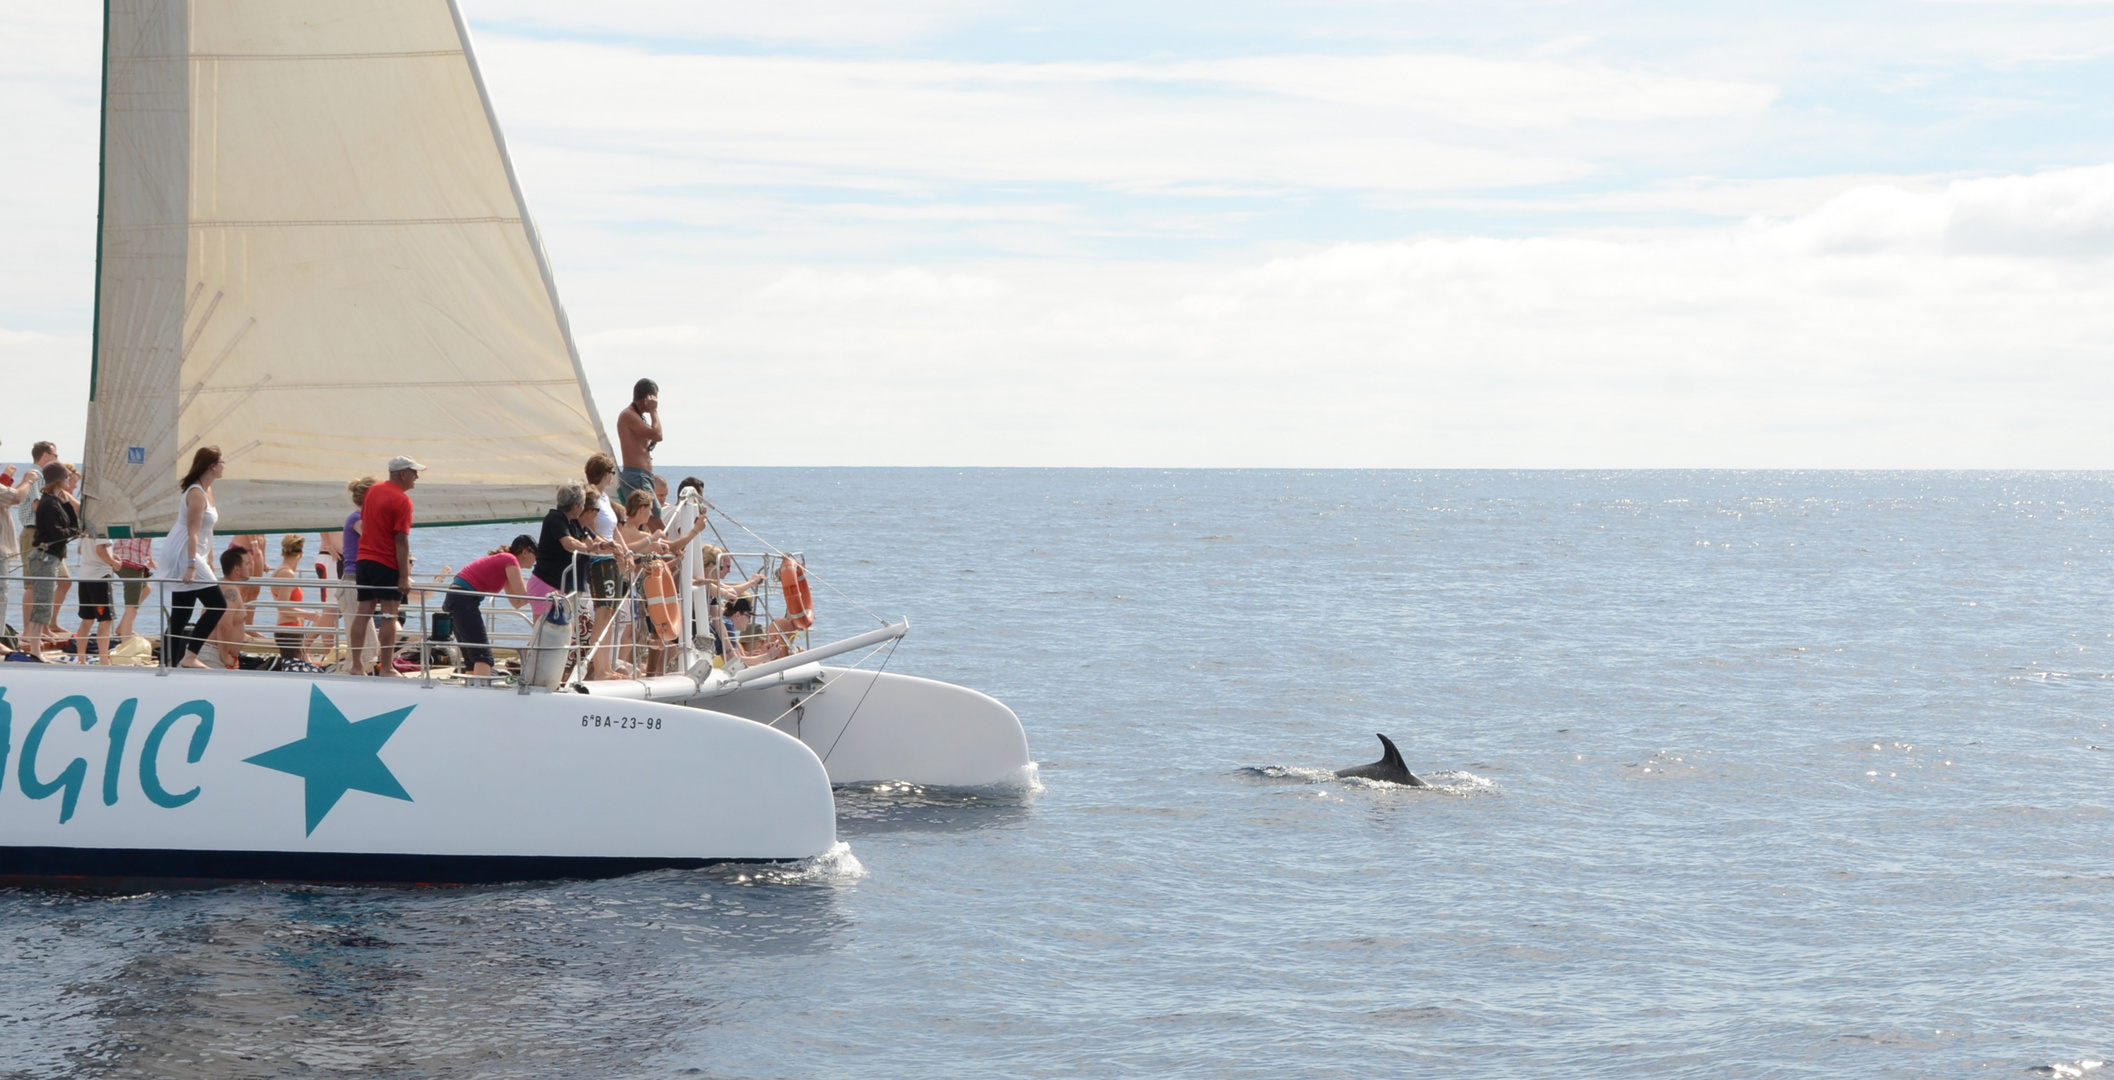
378, 582
605, 581
95, 600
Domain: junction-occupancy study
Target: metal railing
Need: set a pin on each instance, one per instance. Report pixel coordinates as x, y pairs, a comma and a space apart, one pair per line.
610, 636
323, 633
624, 636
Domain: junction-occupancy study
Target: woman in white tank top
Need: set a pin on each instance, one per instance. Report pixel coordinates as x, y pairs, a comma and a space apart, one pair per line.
189, 551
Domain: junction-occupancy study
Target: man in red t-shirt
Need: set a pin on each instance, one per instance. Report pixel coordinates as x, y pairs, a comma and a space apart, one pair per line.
385, 559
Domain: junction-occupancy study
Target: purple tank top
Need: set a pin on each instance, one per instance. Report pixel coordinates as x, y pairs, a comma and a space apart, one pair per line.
350, 545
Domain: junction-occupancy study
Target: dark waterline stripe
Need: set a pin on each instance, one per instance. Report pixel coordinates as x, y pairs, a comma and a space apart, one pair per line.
64, 867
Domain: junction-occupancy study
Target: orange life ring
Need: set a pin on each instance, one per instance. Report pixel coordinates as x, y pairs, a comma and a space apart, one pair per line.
799, 603
661, 604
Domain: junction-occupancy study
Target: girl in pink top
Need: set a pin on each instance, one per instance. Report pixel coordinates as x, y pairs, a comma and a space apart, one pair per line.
499, 572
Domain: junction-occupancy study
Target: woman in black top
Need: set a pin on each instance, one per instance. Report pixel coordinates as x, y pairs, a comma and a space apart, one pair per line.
58, 523
566, 542
562, 555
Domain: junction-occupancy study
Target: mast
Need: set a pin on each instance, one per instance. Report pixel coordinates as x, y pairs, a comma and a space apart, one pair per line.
95, 329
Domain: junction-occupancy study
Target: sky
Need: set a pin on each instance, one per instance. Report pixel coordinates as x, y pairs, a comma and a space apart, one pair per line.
1235, 234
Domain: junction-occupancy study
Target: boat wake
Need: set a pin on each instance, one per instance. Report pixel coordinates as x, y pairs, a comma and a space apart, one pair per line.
2067, 1068
895, 806
1444, 782
1290, 773
837, 866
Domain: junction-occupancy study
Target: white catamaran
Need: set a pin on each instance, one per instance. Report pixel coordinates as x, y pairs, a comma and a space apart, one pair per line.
313, 253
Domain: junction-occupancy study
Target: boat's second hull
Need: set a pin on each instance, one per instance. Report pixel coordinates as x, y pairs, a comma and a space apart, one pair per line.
881, 726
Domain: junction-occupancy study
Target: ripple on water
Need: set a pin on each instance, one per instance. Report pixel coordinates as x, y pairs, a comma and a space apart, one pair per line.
897, 807
1769, 886
1442, 782
560, 978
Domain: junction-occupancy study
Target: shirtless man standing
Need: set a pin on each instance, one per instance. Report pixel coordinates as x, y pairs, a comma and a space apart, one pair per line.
638, 432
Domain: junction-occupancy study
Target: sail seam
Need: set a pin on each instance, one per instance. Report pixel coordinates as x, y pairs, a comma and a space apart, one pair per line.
294, 56
261, 224
396, 383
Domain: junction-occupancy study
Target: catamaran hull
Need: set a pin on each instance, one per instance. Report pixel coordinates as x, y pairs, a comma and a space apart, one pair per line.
880, 726
126, 774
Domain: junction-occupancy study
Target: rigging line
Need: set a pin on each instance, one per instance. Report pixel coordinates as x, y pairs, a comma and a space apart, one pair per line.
812, 576
862, 699
212, 306
214, 368
826, 687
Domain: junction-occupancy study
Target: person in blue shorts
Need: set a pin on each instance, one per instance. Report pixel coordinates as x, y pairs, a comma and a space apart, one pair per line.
638, 433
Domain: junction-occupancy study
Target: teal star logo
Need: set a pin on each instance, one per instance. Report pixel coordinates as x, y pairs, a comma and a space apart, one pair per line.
338, 756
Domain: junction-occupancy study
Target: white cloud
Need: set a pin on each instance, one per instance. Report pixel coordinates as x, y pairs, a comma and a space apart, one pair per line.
49, 91
820, 22
910, 284
1767, 344
2069, 212
780, 239
45, 378
1479, 92
1394, 123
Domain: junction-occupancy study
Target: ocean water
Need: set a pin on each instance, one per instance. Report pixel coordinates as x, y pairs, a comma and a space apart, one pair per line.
1735, 774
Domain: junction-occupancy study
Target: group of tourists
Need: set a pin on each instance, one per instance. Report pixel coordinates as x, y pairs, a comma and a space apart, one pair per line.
606, 536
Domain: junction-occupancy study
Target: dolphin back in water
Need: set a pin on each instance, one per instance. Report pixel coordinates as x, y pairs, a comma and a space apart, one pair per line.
1389, 768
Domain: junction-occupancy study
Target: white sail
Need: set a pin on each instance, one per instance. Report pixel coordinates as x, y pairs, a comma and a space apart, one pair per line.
314, 255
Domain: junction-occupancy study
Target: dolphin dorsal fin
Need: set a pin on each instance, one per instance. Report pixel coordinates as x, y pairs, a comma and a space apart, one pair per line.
1390, 755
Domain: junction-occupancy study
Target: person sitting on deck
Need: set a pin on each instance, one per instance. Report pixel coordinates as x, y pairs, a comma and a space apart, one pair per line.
752, 644
498, 573
258, 565
224, 645
292, 635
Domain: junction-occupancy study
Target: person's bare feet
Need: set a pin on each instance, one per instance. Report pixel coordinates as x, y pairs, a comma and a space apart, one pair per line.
194, 662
